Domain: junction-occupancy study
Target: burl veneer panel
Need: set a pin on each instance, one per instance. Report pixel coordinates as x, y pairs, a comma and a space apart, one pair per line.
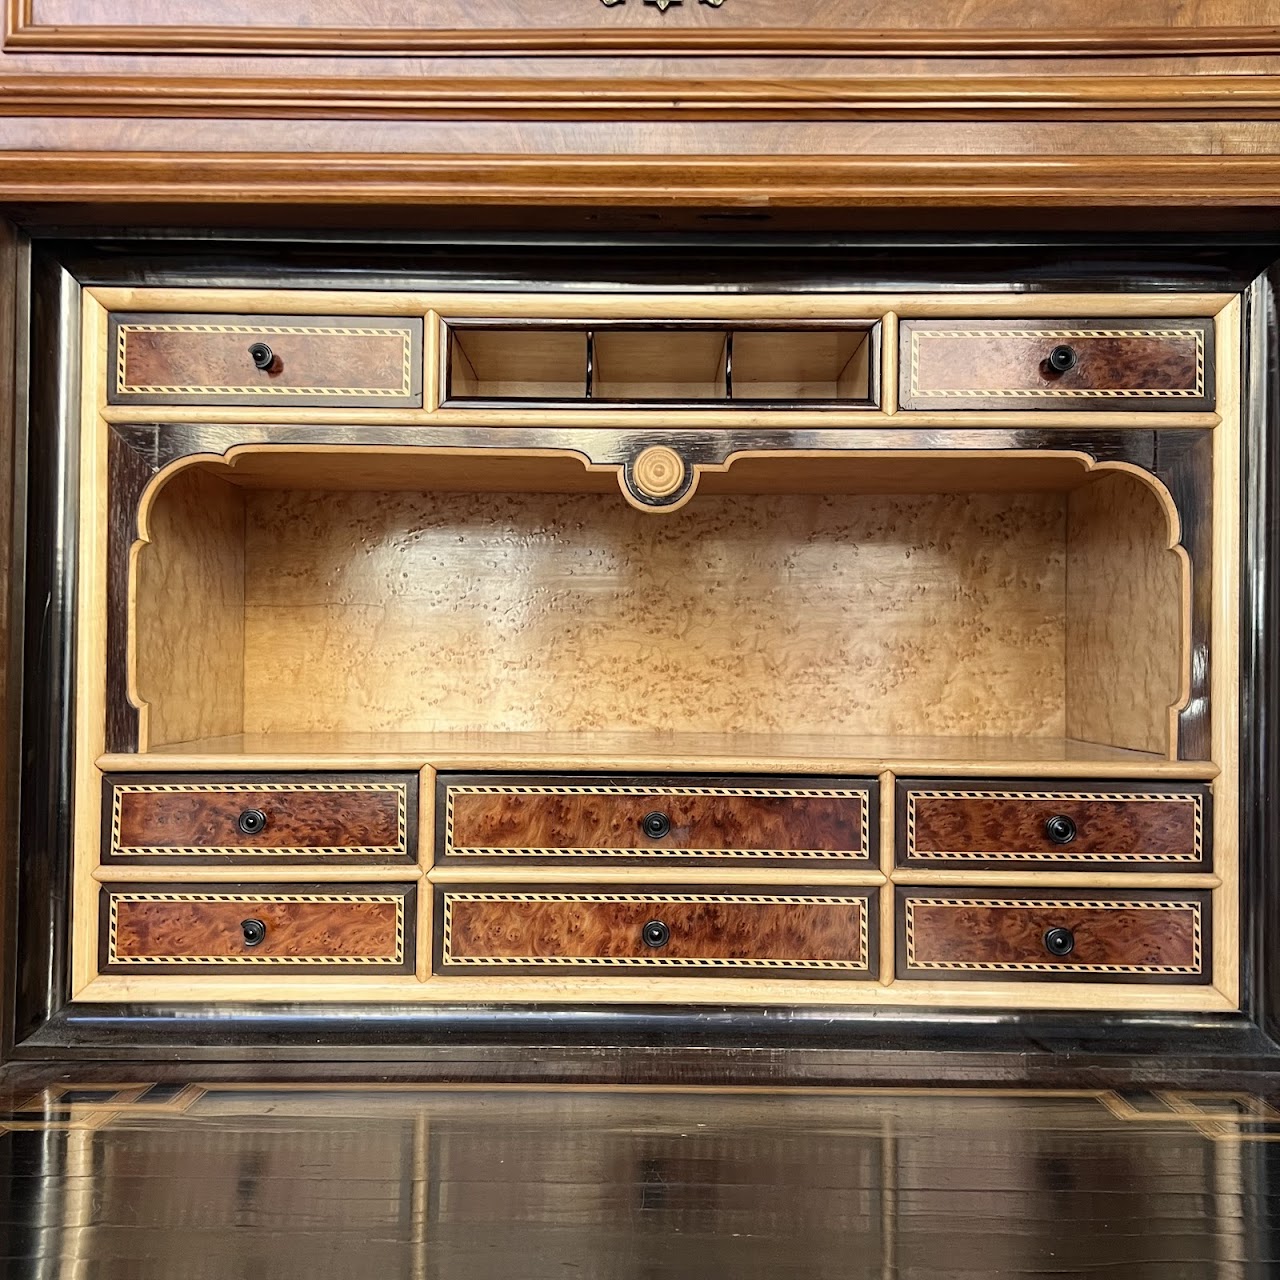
189, 624
826, 932
1130, 364
1127, 600
190, 359
191, 819
168, 926
570, 613
539, 820
1140, 829
986, 934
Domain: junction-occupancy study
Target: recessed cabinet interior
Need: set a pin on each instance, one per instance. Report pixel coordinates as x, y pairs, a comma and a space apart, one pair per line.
758, 683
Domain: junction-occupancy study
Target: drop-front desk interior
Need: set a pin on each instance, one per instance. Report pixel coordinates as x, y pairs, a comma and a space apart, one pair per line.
723, 660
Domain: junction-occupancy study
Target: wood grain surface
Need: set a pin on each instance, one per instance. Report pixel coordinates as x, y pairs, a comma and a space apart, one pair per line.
321, 360
178, 819
541, 819
964, 934
824, 932
983, 365
1136, 829
174, 927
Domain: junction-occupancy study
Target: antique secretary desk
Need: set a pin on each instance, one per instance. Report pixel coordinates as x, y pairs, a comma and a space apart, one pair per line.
566, 559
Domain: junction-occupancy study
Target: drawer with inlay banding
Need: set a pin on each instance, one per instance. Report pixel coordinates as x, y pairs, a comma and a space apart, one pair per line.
1053, 935
549, 819
275, 819
1127, 364
601, 929
1036, 825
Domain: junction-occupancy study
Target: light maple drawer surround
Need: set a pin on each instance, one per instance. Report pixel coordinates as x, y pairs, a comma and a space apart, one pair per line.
174, 927
186, 819
1053, 827
815, 932
566, 818
1057, 364
335, 361
1053, 936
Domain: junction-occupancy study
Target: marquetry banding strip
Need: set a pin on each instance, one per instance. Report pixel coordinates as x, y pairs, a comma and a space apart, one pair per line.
405, 335
119, 790
1064, 393
327, 899
631, 852
1062, 966
859, 964
1061, 853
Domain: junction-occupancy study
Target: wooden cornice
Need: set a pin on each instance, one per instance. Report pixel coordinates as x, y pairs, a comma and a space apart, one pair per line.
87, 177
1163, 98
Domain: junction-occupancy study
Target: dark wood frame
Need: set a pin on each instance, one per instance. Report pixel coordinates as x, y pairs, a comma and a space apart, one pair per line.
632, 1043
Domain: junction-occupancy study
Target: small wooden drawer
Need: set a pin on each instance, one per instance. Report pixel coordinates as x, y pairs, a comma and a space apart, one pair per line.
1010, 364
1053, 937
272, 819
265, 360
812, 933
1012, 825
193, 927
530, 819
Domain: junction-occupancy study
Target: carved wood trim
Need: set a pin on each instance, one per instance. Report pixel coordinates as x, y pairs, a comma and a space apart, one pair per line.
743, 181
663, 99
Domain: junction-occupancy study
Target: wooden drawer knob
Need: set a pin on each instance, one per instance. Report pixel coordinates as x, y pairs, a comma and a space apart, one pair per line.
1059, 941
1060, 829
655, 934
254, 932
252, 822
656, 825
262, 356
1062, 358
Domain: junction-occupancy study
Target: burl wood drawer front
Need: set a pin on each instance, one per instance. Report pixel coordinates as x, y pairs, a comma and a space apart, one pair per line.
1011, 825
176, 819
819, 933
976, 934
195, 927
265, 360
1010, 364
543, 820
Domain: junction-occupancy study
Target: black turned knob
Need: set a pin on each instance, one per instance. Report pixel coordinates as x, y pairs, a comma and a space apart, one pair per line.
655, 934
262, 355
1059, 942
655, 825
1060, 829
254, 931
252, 822
1062, 358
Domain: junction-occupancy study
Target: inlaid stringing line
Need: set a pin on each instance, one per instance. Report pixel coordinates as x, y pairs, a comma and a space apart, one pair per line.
1041, 967
406, 363
659, 899
395, 900
1062, 854
120, 849
473, 851
1060, 392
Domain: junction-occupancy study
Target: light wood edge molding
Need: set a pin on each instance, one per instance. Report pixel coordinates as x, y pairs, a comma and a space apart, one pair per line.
663, 875
888, 939
798, 181
426, 836
660, 99
651, 989
1225, 649
23, 32
91, 646
651, 306
252, 872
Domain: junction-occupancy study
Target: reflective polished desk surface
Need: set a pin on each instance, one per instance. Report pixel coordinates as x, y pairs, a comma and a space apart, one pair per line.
173, 1181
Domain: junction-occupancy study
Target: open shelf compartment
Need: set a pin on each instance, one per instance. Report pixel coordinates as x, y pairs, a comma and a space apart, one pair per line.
669, 363
411, 596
